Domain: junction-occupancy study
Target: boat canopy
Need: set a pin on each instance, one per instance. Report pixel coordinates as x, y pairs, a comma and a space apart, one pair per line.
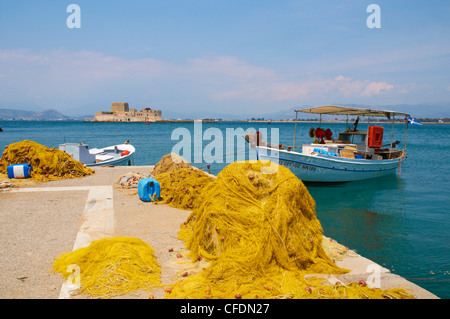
343, 110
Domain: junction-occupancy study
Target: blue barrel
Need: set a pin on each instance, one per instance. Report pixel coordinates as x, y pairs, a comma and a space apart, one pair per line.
19, 171
149, 189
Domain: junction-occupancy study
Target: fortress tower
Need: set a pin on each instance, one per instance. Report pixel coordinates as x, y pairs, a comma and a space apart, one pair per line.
119, 107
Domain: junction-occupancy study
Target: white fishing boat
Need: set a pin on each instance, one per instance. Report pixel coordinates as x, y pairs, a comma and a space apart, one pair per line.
353, 155
115, 155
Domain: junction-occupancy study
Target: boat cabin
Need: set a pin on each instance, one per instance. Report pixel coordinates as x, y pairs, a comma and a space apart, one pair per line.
358, 137
353, 143
79, 151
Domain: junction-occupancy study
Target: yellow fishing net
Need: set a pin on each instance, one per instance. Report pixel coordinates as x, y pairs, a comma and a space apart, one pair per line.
260, 235
170, 162
48, 163
335, 250
113, 266
181, 188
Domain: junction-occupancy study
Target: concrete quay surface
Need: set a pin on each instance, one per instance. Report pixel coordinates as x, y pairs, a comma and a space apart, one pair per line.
39, 222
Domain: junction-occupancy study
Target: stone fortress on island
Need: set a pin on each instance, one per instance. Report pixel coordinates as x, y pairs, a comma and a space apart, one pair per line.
120, 112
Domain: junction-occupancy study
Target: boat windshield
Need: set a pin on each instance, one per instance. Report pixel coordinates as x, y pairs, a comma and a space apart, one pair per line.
353, 137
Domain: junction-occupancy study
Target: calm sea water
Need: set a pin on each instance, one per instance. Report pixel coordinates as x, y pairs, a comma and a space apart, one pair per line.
402, 222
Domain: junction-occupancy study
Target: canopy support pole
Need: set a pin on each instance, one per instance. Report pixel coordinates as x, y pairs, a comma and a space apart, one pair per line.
295, 131
406, 129
367, 136
392, 136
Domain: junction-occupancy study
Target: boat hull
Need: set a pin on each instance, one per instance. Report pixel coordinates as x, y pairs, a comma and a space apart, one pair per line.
123, 161
324, 168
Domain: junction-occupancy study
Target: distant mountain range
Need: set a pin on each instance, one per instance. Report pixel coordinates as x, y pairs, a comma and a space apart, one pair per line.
430, 110
47, 115
434, 110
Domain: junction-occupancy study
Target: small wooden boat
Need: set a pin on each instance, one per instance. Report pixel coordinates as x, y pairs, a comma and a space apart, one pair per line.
354, 155
115, 155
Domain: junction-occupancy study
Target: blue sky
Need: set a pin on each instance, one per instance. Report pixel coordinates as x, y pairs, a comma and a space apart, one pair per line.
222, 56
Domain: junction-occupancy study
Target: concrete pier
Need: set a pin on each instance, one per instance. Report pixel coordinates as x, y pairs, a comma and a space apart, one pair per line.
42, 221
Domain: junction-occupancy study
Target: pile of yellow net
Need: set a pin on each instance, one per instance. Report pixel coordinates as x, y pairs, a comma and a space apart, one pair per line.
181, 188
113, 266
260, 235
48, 163
170, 162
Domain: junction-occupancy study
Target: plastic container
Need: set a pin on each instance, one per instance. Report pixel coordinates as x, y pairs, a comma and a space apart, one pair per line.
149, 189
19, 171
322, 151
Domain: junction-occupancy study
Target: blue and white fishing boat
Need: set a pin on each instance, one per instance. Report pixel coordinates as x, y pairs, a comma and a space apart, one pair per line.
115, 155
354, 155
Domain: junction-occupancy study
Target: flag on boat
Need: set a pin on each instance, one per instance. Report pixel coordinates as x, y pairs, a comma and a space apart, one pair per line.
413, 121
